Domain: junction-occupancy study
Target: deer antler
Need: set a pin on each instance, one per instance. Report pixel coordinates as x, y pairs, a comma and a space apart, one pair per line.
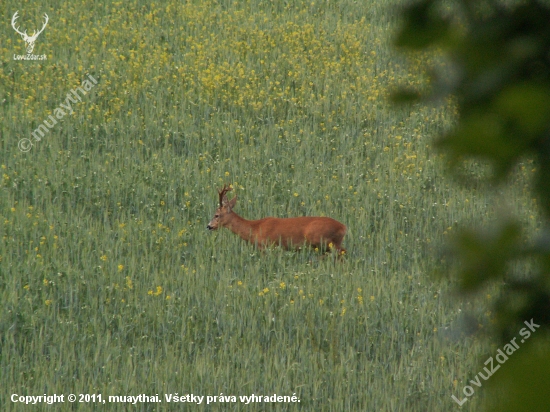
15, 17
35, 35
223, 194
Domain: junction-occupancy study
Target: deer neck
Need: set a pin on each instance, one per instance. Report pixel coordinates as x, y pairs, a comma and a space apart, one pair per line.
242, 227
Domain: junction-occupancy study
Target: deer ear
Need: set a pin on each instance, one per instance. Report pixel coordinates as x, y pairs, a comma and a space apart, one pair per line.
231, 204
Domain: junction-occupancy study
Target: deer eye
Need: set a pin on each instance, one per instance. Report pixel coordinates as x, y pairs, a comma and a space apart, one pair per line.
216, 216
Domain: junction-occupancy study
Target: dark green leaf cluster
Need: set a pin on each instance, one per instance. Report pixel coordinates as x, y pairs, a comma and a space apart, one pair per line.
500, 77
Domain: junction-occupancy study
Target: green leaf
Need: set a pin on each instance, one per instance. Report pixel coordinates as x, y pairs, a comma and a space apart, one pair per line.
422, 27
542, 177
486, 256
403, 96
527, 105
484, 135
522, 381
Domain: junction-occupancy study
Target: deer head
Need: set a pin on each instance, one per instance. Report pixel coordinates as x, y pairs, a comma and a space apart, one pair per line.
223, 212
26, 38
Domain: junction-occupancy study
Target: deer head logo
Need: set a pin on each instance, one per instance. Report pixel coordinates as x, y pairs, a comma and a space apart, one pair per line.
29, 40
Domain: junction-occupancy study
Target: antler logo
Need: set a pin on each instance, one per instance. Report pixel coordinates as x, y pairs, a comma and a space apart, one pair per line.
29, 40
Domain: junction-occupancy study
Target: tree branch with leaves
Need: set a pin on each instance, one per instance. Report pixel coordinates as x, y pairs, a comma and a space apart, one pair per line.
499, 54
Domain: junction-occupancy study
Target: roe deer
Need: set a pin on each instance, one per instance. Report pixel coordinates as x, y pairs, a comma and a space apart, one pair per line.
323, 233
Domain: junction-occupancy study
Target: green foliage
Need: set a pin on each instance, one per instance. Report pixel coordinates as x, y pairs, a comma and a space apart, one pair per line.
422, 26
499, 76
523, 382
485, 256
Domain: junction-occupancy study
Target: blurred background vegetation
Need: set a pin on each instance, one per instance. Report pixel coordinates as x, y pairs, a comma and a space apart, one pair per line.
498, 72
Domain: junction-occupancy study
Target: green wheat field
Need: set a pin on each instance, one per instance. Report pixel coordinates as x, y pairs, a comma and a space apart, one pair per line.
110, 283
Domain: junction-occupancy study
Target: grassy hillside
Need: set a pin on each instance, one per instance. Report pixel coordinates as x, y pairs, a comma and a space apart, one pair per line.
109, 281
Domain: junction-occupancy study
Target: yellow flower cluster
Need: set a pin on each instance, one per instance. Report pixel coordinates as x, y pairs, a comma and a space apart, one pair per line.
240, 59
157, 292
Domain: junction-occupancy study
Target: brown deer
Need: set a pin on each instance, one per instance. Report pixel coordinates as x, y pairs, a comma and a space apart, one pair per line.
323, 233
